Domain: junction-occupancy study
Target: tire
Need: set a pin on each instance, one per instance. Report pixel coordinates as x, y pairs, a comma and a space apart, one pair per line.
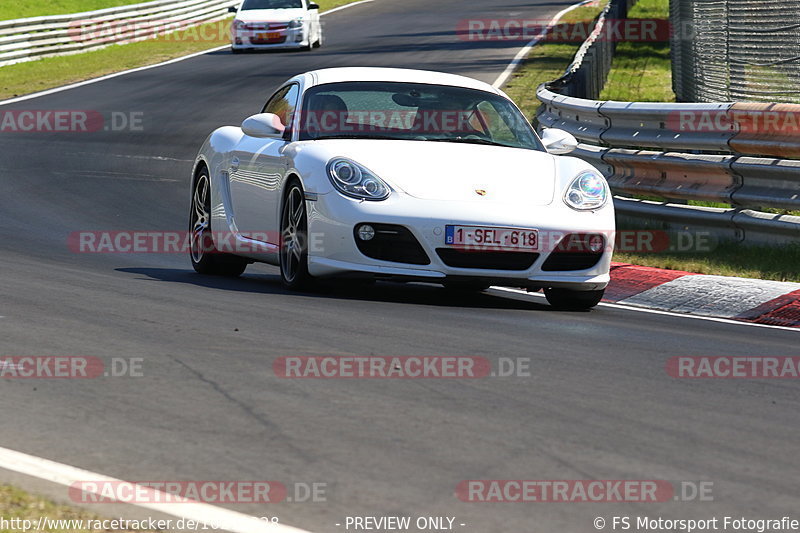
294, 239
204, 255
568, 300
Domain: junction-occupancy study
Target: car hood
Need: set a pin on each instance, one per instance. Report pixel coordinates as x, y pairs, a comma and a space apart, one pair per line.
270, 15
455, 171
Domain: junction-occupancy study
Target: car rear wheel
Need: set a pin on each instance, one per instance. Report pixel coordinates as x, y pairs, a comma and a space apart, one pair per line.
206, 259
569, 300
294, 239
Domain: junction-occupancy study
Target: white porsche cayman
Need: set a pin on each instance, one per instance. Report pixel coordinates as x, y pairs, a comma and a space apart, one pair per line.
401, 175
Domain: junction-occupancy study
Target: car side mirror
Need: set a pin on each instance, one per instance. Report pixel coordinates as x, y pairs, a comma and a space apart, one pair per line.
263, 125
558, 142
232, 9
312, 5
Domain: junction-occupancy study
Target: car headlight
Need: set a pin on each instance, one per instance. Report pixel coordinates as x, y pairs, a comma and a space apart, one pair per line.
238, 24
588, 190
296, 23
356, 181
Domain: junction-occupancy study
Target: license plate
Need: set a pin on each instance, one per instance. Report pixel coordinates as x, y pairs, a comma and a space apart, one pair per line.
268, 36
477, 237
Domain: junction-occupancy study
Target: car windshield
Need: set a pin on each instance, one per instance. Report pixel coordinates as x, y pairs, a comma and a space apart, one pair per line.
413, 111
271, 4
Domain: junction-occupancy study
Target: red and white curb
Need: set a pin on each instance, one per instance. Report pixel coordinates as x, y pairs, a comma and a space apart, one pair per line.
757, 301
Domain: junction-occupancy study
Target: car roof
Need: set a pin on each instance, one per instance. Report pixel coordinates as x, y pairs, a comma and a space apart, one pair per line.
343, 74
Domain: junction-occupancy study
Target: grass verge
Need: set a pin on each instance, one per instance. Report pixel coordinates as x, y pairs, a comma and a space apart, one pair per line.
50, 72
18, 504
31, 8
546, 62
727, 259
642, 71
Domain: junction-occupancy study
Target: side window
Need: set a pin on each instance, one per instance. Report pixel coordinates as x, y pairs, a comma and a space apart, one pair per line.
494, 124
284, 104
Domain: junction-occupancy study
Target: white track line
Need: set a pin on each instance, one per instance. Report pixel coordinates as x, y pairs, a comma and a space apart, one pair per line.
146, 67
200, 512
525, 50
108, 77
335, 9
540, 296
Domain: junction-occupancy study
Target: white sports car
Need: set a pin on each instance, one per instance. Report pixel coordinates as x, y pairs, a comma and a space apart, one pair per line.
269, 24
402, 175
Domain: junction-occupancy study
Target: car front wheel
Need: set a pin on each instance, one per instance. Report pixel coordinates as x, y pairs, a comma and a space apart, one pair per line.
294, 239
569, 300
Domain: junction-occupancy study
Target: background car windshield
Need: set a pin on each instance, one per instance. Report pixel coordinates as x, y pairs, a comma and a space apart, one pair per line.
412, 111
271, 4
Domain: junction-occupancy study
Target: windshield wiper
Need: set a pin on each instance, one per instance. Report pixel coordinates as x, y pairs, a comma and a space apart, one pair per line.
472, 141
390, 138
352, 136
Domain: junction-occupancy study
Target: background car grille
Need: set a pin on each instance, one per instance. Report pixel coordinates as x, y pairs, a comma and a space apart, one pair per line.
280, 39
574, 253
392, 243
456, 258
265, 26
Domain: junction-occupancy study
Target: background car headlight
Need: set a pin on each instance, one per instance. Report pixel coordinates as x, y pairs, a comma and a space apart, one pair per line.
296, 23
238, 24
588, 190
356, 181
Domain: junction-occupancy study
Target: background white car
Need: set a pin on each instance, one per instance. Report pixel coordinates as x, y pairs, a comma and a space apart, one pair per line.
269, 24
402, 175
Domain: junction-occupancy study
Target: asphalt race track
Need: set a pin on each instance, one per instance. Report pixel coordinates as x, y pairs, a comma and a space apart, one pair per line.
598, 403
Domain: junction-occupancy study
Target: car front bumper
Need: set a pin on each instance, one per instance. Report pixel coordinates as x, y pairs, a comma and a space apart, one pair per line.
333, 250
290, 38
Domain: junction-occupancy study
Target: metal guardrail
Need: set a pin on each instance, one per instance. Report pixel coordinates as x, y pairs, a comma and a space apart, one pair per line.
31, 38
640, 155
741, 225
587, 74
732, 153
718, 168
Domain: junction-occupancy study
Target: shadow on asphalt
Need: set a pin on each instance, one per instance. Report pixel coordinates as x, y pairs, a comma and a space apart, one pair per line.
403, 293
